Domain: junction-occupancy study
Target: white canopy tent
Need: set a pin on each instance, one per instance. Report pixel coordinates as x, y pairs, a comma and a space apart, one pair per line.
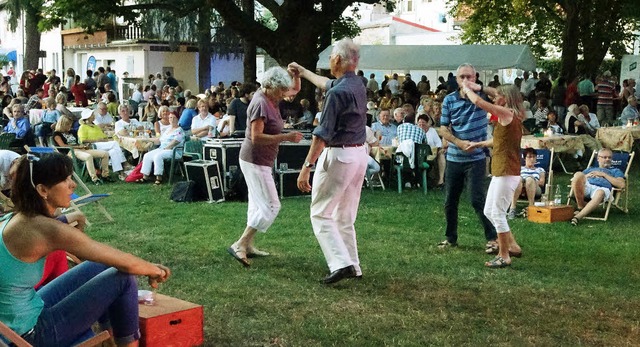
482, 57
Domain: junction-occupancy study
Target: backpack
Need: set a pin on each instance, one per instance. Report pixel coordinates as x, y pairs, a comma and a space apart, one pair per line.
183, 191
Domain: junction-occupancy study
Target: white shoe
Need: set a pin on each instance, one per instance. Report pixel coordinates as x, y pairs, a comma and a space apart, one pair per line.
511, 214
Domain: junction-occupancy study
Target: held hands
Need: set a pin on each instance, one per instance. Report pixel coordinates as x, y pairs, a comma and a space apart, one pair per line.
303, 180
165, 273
294, 136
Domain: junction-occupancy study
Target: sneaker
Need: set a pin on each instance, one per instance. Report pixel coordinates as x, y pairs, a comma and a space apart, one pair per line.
511, 214
446, 244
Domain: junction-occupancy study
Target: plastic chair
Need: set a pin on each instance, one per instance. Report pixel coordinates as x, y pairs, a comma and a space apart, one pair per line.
179, 161
11, 338
402, 165
193, 150
621, 161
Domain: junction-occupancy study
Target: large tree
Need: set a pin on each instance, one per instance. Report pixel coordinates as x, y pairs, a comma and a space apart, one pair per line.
303, 28
31, 9
591, 28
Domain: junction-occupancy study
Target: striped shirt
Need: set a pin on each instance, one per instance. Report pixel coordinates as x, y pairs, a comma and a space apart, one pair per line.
466, 122
606, 92
534, 172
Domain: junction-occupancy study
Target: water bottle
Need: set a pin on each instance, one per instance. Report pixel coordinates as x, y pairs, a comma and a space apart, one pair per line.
557, 198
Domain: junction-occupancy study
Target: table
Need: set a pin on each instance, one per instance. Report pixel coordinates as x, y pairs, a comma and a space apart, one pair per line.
560, 143
136, 145
618, 138
379, 155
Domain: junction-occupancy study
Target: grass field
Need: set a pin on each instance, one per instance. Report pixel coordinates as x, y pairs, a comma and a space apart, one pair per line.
573, 286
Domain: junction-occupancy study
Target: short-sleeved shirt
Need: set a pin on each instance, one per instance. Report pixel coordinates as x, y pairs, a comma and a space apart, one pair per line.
433, 140
6, 158
601, 181
261, 107
344, 115
90, 132
239, 109
409, 131
50, 116
100, 119
121, 124
169, 135
198, 122
467, 122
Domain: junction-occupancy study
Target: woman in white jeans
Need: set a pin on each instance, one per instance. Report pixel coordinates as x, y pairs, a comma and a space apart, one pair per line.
505, 164
170, 138
257, 155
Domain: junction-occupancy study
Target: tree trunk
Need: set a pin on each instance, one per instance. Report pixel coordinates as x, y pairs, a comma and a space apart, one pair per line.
205, 48
249, 47
569, 41
32, 39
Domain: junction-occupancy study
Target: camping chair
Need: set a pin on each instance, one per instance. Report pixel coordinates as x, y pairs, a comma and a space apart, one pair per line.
544, 159
621, 161
11, 338
193, 150
176, 163
6, 139
79, 166
77, 201
403, 166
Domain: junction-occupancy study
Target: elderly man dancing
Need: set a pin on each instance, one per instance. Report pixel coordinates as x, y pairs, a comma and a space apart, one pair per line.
338, 147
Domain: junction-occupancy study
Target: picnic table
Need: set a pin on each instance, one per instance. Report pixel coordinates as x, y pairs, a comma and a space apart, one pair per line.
618, 138
136, 145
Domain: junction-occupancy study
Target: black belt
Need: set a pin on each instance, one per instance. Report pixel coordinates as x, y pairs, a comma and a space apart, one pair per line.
345, 146
29, 334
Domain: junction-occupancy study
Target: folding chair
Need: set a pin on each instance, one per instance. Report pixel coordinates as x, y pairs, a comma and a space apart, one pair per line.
402, 165
77, 201
621, 161
12, 338
544, 159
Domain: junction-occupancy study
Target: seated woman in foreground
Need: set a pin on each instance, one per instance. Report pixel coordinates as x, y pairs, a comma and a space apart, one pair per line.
532, 180
102, 289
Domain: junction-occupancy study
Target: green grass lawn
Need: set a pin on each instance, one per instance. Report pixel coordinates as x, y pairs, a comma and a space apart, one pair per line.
573, 286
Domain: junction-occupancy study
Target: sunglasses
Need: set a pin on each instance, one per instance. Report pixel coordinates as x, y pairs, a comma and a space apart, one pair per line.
31, 158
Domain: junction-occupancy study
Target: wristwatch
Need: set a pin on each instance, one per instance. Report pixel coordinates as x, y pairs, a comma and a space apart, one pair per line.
309, 165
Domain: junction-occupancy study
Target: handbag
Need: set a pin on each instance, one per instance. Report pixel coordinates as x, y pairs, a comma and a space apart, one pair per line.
183, 191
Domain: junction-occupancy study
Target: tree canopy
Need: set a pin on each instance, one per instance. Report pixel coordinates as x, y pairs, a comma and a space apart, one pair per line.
587, 28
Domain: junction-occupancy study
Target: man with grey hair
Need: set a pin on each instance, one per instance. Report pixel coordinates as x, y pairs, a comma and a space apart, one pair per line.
338, 147
462, 123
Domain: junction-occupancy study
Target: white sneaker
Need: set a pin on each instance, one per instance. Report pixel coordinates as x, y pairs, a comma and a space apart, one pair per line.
511, 214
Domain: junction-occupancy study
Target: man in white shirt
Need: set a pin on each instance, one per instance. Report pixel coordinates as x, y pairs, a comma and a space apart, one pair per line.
528, 84
372, 84
121, 127
103, 118
204, 123
394, 85
137, 95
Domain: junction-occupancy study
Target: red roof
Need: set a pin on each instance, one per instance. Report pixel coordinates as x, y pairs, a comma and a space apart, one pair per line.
419, 26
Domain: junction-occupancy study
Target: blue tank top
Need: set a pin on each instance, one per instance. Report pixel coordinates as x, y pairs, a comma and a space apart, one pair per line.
20, 305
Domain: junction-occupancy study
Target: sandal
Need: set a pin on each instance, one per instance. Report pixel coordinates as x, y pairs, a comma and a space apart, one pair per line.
253, 252
574, 221
141, 180
491, 247
157, 182
497, 263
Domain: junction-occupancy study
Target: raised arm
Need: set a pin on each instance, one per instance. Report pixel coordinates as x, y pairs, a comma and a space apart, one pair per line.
504, 114
298, 70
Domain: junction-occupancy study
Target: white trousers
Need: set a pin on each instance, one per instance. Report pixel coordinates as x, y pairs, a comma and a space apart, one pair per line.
115, 153
156, 159
499, 198
335, 197
264, 204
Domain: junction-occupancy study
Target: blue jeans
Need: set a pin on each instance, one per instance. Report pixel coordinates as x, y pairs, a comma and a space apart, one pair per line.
457, 175
87, 293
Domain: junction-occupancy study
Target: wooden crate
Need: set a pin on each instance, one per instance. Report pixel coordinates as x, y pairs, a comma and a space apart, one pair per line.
550, 214
171, 322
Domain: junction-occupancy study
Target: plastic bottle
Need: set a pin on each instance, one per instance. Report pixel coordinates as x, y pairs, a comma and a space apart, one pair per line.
557, 198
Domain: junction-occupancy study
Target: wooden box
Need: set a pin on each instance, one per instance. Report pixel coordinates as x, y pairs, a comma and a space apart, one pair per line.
171, 322
550, 214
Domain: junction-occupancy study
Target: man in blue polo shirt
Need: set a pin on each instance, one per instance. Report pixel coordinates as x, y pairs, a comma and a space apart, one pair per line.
462, 123
595, 183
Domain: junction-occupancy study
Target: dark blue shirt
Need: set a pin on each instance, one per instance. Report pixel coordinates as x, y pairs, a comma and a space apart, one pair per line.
344, 115
186, 117
467, 122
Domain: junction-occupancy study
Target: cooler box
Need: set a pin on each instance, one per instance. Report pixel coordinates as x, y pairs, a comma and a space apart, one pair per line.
550, 214
226, 153
208, 180
171, 322
287, 182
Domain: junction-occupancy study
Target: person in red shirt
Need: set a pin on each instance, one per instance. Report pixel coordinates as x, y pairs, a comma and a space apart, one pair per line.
78, 90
